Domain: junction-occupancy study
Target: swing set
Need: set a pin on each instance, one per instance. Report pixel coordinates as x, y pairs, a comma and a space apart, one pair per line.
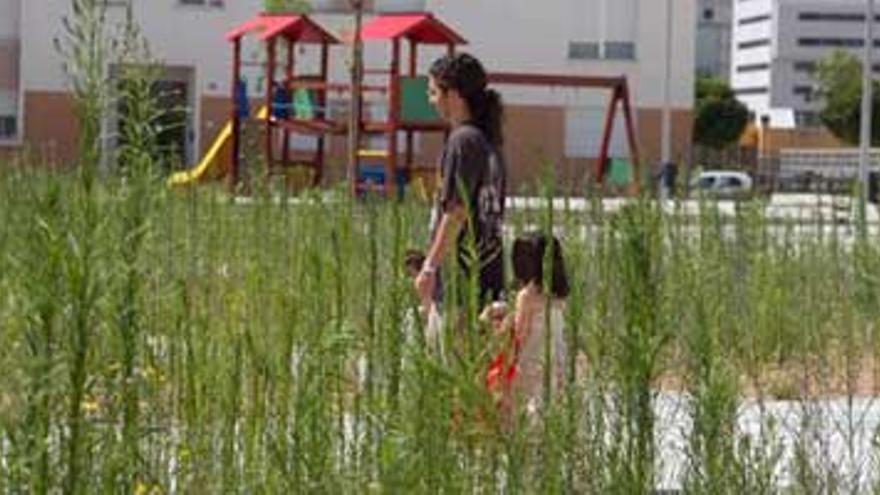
619, 98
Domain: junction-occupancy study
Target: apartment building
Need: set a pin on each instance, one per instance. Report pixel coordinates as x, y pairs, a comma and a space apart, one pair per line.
579, 37
714, 19
777, 45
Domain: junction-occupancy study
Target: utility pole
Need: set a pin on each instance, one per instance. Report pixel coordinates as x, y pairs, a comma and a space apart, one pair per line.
354, 121
867, 99
666, 124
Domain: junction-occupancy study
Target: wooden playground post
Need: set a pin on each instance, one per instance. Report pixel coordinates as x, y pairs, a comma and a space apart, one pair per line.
270, 83
234, 163
322, 114
413, 67
354, 125
288, 75
602, 165
631, 138
393, 119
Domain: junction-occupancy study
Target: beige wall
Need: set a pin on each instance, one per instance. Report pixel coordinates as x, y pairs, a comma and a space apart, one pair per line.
10, 19
649, 132
534, 136
529, 36
9, 65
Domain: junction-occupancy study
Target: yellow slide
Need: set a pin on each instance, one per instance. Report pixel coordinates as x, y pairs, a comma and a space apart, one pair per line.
216, 162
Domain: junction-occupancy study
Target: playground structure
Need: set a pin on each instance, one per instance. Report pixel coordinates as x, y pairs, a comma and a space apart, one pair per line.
408, 110
223, 158
297, 104
281, 117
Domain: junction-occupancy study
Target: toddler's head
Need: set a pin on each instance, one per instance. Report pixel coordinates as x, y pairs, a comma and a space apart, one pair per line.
529, 258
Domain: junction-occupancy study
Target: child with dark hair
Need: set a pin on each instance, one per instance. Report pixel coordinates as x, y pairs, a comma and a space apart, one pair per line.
516, 376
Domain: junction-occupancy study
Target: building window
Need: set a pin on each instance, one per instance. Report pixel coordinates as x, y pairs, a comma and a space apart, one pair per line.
708, 14
804, 91
757, 90
583, 50
805, 66
201, 3
753, 44
833, 42
620, 50
752, 67
609, 50
8, 126
831, 16
745, 21
610, 36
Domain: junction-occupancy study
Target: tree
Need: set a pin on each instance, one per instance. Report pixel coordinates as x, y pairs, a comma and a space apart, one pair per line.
287, 6
839, 81
720, 117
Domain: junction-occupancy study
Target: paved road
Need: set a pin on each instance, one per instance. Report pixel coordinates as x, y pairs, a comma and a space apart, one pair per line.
837, 436
800, 207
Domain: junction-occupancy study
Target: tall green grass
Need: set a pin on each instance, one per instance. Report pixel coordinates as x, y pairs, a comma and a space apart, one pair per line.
207, 345
183, 341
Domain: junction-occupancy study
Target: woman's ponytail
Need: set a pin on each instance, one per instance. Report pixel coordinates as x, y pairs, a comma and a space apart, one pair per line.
489, 116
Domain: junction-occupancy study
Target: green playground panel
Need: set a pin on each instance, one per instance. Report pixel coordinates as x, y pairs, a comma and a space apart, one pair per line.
414, 104
619, 172
303, 104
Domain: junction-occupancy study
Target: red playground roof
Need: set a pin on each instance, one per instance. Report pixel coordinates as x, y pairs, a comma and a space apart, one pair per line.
421, 28
292, 27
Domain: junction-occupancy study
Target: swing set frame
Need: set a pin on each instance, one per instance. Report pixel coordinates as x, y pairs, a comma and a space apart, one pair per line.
620, 96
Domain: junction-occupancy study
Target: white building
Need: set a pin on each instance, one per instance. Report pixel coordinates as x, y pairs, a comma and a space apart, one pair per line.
776, 47
582, 37
713, 38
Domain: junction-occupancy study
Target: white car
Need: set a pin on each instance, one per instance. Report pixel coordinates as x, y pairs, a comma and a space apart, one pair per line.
722, 183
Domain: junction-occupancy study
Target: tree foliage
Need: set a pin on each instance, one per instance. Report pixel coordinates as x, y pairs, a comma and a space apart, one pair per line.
287, 6
839, 80
720, 117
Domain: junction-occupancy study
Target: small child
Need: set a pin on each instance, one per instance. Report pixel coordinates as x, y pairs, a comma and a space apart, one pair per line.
516, 375
433, 324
